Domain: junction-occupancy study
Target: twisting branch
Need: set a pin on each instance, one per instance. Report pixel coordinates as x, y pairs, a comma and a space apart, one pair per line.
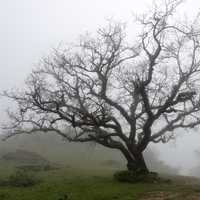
119, 95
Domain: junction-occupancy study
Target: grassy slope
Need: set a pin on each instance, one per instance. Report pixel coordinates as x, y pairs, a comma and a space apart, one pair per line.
93, 185
84, 184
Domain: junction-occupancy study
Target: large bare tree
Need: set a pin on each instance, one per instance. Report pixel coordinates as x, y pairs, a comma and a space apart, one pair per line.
120, 95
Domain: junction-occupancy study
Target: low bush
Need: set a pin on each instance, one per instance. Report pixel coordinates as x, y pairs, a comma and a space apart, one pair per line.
23, 178
3, 182
37, 168
133, 177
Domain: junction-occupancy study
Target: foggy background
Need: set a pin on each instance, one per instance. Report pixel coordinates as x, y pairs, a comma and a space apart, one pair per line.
29, 29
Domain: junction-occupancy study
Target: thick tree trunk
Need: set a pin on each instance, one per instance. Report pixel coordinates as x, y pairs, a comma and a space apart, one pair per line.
136, 162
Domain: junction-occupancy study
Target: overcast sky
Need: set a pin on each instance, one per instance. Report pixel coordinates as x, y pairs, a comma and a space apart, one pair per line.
30, 28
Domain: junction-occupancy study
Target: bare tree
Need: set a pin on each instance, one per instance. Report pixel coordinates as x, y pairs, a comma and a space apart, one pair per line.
119, 95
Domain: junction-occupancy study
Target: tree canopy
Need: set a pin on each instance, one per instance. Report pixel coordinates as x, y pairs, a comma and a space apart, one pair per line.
114, 93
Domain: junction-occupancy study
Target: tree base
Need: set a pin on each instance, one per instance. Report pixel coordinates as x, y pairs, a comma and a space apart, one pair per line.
135, 177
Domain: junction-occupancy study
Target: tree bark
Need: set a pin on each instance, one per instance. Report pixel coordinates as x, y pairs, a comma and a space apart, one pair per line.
136, 162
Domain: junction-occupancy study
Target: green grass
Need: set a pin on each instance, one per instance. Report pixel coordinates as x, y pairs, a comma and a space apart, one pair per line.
88, 185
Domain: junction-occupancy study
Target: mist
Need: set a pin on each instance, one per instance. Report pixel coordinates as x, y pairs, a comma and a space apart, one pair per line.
30, 29
80, 155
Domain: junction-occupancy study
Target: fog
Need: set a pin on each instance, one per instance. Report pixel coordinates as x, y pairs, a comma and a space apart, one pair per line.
79, 155
31, 28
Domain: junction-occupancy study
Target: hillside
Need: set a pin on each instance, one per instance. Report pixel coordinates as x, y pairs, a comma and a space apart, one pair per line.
87, 155
85, 172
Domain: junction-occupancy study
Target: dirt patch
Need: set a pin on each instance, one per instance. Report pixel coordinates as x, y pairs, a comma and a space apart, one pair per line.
163, 195
159, 196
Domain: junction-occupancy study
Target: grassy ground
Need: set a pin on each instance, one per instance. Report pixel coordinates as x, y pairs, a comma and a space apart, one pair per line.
96, 185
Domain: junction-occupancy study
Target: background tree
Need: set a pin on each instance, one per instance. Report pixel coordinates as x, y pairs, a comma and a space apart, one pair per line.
116, 94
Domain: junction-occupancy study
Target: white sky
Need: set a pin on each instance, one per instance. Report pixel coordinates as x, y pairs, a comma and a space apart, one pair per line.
30, 28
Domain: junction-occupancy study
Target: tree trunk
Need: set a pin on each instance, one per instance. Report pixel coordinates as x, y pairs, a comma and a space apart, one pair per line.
136, 162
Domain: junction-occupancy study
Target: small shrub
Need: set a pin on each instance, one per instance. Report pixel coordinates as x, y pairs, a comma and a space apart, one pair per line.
3, 182
64, 197
50, 167
23, 178
133, 177
37, 168
33, 168
125, 176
